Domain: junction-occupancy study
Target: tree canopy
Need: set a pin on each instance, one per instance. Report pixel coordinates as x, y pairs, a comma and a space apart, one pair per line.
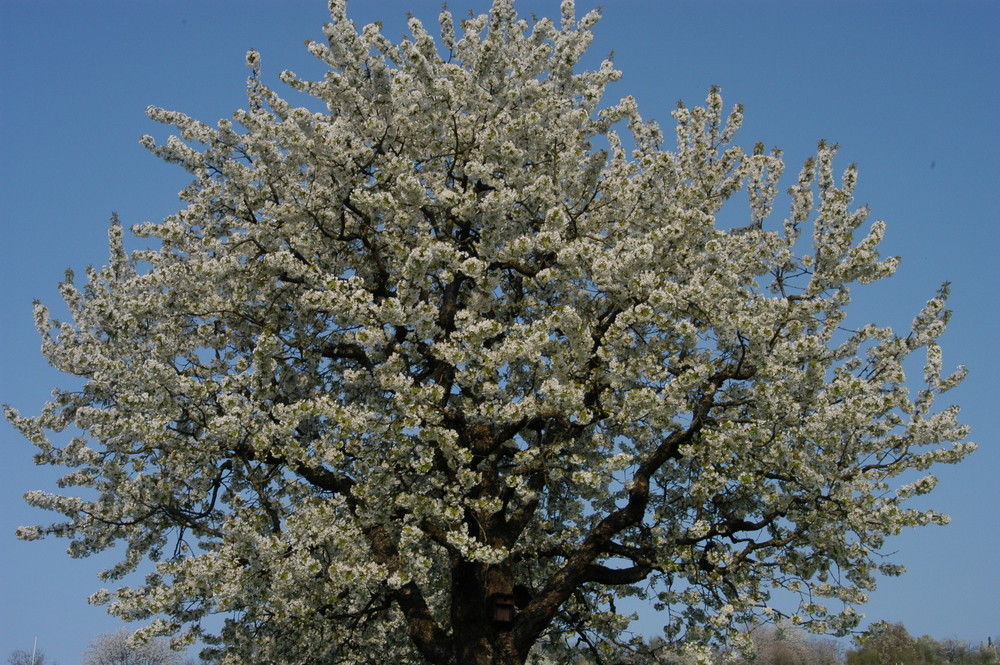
443, 366
33, 657
119, 649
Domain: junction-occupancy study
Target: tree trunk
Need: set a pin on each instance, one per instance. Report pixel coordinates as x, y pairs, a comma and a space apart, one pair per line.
479, 638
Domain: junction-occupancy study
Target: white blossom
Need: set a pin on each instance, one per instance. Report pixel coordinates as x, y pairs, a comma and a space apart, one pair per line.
434, 345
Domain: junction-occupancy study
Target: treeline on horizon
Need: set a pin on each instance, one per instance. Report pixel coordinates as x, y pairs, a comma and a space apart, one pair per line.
883, 644
775, 644
892, 643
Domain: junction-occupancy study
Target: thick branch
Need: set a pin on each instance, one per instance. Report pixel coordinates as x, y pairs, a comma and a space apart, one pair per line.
536, 616
614, 576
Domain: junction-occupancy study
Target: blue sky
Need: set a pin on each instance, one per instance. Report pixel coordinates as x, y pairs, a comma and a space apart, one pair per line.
907, 88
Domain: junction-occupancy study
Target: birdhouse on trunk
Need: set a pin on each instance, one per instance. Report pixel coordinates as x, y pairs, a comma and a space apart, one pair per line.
503, 609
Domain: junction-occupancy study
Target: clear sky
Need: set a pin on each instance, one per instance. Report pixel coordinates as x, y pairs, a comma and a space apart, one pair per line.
908, 88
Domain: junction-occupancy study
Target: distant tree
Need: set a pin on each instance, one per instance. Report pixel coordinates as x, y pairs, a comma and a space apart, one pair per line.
783, 643
120, 649
449, 367
929, 650
35, 657
825, 651
990, 650
955, 650
887, 643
